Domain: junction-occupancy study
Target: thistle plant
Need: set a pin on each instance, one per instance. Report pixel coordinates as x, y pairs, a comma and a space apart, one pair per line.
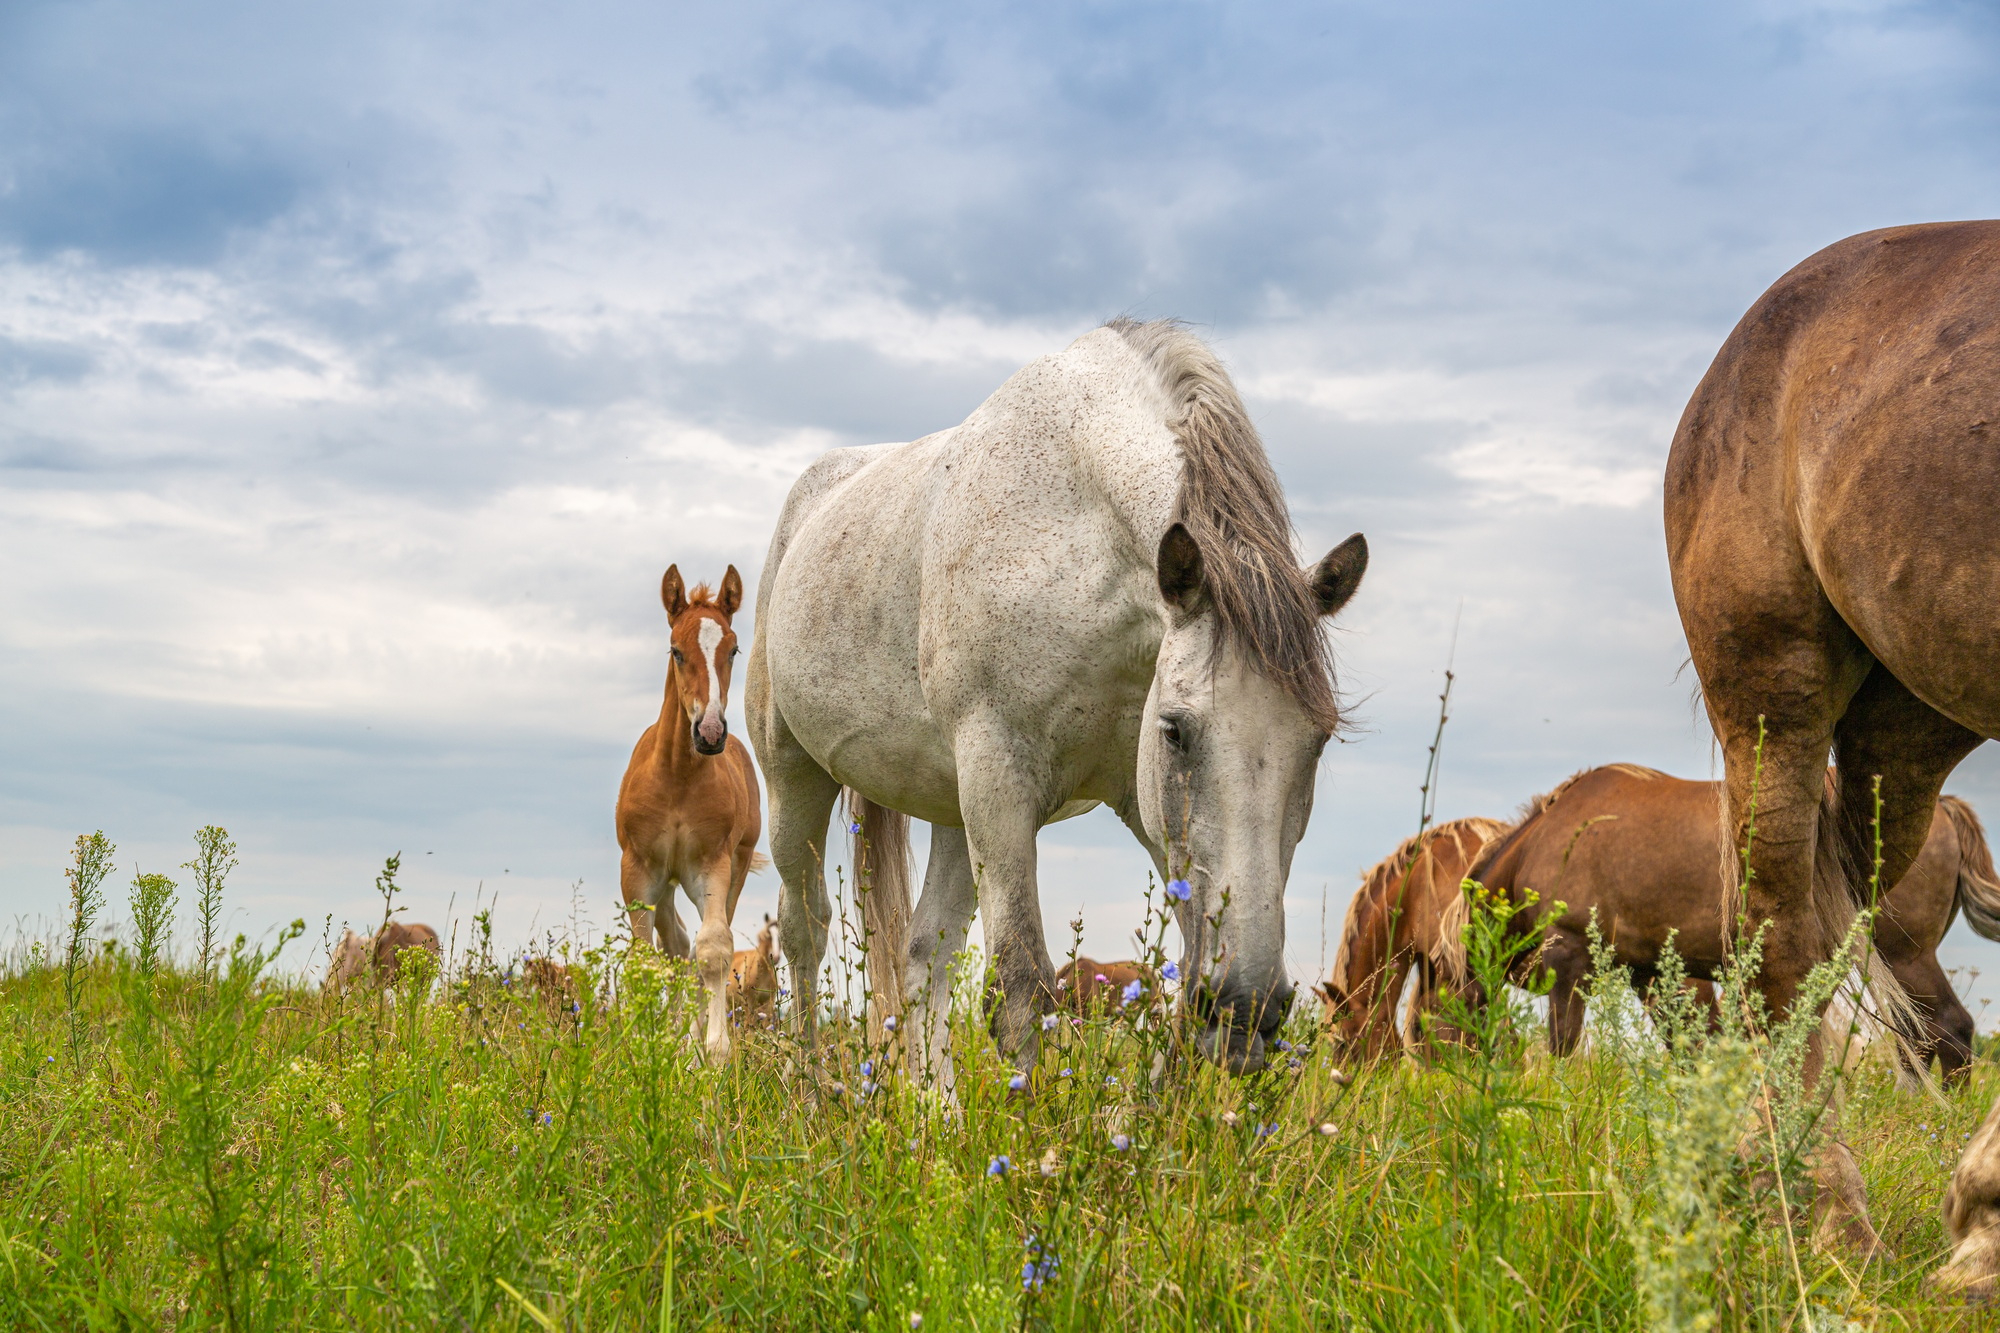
153, 900
215, 857
90, 864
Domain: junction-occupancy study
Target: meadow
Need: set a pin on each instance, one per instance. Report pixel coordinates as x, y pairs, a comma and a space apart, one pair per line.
191, 1137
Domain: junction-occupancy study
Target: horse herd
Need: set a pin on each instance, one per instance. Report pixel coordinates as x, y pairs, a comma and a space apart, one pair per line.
1087, 593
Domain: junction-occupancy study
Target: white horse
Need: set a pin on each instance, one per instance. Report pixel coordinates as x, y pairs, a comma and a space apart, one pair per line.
1087, 592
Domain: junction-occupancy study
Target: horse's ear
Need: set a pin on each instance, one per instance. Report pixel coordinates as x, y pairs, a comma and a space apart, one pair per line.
1179, 568
732, 593
1335, 577
673, 593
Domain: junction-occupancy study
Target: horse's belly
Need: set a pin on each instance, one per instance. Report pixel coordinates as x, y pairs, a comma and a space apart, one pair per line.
841, 645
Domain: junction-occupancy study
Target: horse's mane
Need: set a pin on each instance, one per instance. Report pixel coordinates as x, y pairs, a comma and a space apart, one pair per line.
701, 595
1387, 875
1231, 504
1532, 808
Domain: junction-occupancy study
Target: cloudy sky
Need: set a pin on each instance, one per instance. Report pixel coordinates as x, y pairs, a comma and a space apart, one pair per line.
363, 365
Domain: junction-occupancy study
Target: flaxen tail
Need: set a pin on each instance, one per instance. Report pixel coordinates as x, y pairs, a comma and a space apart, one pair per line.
1978, 885
1839, 892
880, 847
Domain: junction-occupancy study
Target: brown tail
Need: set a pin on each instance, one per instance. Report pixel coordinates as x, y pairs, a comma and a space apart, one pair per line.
880, 848
1838, 893
1978, 885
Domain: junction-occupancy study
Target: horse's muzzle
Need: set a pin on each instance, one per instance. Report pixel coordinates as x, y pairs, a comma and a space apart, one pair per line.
710, 735
1240, 1025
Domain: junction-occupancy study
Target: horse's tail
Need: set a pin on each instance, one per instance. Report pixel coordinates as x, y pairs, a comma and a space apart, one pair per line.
1838, 893
759, 863
1978, 885
880, 850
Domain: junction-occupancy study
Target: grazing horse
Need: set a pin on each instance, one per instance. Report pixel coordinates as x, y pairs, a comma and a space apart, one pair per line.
753, 982
687, 809
1835, 551
377, 958
1086, 986
1087, 592
1638, 849
1392, 927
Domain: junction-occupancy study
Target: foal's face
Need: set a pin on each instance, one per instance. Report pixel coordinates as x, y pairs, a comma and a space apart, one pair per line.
704, 654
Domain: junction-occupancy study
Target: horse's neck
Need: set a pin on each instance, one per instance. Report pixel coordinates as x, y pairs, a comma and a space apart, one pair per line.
673, 742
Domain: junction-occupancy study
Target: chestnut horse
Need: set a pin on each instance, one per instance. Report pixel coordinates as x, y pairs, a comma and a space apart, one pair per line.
1392, 927
1638, 849
1085, 986
753, 982
1835, 551
688, 813
377, 958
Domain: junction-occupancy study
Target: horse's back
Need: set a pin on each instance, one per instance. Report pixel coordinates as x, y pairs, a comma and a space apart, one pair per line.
1848, 436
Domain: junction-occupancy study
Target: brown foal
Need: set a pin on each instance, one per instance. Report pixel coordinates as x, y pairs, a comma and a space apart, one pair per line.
688, 809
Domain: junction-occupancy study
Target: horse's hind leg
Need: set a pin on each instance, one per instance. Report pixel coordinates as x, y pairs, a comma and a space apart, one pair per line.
1945, 1028
937, 935
801, 796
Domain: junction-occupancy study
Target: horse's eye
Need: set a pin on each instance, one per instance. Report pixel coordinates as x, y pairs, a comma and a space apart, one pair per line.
679, 658
736, 652
1172, 732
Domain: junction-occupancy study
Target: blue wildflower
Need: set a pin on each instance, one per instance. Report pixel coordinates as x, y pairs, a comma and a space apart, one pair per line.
1172, 971
548, 1119
889, 1023
1018, 1082
1282, 1044
999, 1166
1065, 1073
868, 1069
1133, 990
1039, 1266
1049, 1022
1179, 890
867, 1088
855, 827
1266, 1131
1120, 1142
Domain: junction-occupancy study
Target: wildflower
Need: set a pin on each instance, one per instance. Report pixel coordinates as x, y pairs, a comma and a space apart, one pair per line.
1103, 980
1230, 1119
548, 1119
916, 1321
867, 1088
1017, 1082
868, 1069
913, 1145
1281, 1044
999, 1166
1065, 1073
52, 1059
1049, 1022
836, 1088
1340, 1077
855, 827
1329, 1129
1172, 972
889, 1023
1266, 1131
1039, 1266
1120, 1142
1111, 1080
1133, 990
1179, 890
1051, 1164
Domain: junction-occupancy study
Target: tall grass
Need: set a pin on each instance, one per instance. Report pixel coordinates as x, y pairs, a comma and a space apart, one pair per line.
231, 1149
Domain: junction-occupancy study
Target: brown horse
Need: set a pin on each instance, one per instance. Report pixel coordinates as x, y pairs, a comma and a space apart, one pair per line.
1637, 849
1392, 927
688, 809
1835, 550
1087, 986
377, 958
753, 982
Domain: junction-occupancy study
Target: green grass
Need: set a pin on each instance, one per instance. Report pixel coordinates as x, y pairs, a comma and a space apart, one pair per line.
232, 1149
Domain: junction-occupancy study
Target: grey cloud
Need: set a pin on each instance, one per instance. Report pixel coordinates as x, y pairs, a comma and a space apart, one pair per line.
143, 195
28, 360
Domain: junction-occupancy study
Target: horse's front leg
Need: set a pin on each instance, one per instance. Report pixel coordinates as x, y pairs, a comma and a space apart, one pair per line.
1003, 811
714, 947
937, 935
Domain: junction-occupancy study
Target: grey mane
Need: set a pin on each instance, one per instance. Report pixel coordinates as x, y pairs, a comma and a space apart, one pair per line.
1231, 504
